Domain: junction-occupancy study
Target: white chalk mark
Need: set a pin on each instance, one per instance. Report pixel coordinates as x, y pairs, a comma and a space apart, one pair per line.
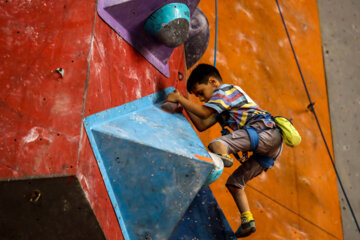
239, 7
31, 136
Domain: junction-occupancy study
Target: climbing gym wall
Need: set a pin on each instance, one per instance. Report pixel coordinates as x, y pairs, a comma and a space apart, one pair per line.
61, 62
297, 198
45, 153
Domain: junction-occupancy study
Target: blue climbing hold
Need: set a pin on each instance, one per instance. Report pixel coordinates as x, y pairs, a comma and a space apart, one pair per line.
153, 164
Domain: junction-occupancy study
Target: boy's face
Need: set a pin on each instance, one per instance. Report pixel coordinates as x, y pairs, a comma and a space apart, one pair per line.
204, 91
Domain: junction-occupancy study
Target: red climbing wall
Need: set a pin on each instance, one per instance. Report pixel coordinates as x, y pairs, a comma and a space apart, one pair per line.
118, 74
297, 199
41, 113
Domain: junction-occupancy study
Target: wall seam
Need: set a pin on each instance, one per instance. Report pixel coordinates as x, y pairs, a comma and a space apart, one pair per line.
86, 87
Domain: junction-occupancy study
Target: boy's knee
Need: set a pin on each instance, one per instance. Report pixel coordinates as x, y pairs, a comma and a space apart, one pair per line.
211, 146
217, 147
232, 188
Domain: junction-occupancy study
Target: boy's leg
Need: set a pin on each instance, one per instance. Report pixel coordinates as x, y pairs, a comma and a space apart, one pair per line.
269, 145
247, 226
239, 141
237, 193
240, 198
236, 184
221, 149
226, 144
218, 147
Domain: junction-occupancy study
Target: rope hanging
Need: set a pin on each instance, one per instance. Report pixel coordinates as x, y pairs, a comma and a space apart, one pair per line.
310, 106
312, 109
216, 29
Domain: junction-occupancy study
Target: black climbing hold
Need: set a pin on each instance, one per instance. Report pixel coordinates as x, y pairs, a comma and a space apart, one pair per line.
198, 38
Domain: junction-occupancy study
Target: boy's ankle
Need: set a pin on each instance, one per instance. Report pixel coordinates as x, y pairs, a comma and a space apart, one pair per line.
247, 226
246, 217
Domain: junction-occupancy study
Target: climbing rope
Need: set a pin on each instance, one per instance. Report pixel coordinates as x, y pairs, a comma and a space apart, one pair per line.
216, 29
312, 109
310, 106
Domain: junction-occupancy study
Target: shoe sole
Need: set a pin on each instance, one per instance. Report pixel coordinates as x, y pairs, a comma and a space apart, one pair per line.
245, 234
246, 229
227, 162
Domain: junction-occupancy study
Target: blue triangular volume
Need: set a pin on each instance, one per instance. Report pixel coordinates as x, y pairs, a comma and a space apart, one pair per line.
204, 219
152, 187
147, 159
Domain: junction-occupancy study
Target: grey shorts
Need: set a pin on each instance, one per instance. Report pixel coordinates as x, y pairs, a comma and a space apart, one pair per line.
270, 142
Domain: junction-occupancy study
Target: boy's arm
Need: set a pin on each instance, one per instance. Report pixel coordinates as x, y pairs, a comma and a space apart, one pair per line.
199, 110
202, 117
202, 124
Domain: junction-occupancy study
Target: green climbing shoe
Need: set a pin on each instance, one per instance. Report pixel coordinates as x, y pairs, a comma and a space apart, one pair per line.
245, 229
228, 161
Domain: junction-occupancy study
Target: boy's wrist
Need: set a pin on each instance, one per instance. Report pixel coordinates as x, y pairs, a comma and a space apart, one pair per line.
178, 98
181, 99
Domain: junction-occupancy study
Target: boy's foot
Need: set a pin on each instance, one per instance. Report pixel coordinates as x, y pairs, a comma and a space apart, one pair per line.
246, 228
228, 161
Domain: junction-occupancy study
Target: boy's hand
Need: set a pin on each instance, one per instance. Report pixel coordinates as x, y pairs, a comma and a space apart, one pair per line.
199, 110
174, 96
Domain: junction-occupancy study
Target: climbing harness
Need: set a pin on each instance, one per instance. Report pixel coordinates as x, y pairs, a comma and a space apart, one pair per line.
267, 162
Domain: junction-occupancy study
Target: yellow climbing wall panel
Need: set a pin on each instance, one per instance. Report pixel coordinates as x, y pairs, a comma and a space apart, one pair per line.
297, 198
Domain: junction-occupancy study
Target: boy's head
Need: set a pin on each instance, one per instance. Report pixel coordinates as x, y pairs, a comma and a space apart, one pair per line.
203, 80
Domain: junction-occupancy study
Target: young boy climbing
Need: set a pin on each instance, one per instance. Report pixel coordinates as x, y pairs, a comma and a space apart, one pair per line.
253, 130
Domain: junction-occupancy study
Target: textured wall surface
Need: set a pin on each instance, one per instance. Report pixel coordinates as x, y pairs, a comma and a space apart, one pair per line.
340, 31
297, 199
117, 75
42, 112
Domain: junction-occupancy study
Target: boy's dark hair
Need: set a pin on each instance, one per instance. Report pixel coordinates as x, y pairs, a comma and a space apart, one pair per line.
201, 74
